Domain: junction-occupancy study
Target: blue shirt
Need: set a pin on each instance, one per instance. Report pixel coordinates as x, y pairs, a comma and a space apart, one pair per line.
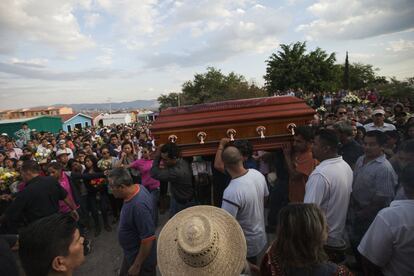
136, 225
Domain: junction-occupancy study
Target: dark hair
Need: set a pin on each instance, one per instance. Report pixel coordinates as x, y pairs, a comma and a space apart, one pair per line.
245, 147
338, 107
127, 143
14, 160
393, 134
172, 150
70, 163
306, 132
407, 127
121, 176
55, 165
378, 135
124, 133
104, 147
362, 129
30, 166
43, 241
25, 158
407, 146
94, 162
329, 138
113, 135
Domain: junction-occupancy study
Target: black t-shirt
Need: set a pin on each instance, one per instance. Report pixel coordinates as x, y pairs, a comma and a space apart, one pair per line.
40, 198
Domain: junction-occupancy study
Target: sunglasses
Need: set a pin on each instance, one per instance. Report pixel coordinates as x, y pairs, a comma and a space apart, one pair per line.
105, 152
341, 113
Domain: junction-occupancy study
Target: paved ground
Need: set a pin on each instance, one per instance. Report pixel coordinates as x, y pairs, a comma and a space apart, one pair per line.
106, 256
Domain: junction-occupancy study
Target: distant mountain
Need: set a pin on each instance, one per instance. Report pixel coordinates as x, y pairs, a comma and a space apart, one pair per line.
139, 104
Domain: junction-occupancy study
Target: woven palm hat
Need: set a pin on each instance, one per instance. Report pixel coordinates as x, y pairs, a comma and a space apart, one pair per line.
201, 240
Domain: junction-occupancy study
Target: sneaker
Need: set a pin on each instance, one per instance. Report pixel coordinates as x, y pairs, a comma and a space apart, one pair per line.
87, 248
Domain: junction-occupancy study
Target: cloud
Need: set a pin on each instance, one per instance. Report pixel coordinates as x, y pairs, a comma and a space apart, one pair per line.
354, 19
47, 74
92, 19
226, 34
106, 57
51, 22
401, 45
34, 62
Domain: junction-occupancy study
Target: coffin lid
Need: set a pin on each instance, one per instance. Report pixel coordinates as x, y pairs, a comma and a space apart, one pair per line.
243, 110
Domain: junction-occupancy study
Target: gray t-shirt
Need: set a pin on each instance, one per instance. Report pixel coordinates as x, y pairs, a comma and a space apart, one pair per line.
244, 200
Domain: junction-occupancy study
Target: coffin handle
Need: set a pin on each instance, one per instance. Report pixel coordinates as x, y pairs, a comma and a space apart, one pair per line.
201, 136
291, 128
231, 133
172, 138
261, 130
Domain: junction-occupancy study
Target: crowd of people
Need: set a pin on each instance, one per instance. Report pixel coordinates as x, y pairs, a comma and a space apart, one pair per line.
339, 199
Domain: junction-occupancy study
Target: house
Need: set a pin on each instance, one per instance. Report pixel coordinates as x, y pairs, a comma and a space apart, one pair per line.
35, 112
117, 119
146, 115
72, 121
40, 123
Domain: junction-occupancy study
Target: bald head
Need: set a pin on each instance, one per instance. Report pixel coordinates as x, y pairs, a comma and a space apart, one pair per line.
232, 157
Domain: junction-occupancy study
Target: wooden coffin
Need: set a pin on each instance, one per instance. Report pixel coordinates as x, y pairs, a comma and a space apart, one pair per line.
266, 122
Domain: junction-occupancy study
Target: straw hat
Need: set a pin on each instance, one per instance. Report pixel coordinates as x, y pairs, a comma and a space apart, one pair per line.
201, 240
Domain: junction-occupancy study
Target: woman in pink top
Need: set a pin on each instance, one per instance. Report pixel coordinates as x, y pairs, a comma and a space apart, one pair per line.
55, 170
153, 186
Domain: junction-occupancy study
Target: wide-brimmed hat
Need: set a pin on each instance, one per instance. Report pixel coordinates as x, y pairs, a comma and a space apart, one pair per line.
201, 240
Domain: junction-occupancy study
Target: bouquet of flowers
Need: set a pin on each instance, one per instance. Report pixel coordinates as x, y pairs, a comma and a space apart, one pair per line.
321, 109
105, 165
7, 178
100, 141
98, 182
42, 156
351, 99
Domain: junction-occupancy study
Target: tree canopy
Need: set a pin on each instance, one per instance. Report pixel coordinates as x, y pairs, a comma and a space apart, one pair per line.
212, 86
293, 67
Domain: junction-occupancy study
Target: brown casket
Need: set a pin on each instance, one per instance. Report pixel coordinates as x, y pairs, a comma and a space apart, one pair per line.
266, 122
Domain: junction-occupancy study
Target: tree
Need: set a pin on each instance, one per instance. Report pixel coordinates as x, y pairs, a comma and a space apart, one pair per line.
286, 68
169, 100
292, 67
346, 73
397, 89
213, 86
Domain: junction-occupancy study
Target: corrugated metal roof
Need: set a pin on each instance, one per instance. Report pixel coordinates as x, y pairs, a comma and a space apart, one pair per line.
22, 120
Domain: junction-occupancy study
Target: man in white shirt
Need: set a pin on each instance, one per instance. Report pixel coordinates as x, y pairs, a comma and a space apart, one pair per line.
244, 199
388, 245
330, 186
378, 117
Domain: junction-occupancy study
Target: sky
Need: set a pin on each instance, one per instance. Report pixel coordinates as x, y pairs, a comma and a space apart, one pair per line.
94, 51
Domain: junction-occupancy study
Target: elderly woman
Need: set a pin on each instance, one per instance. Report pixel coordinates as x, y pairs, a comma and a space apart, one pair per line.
299, 245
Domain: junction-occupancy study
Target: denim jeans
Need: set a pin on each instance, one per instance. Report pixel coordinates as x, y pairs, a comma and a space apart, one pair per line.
176, 207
